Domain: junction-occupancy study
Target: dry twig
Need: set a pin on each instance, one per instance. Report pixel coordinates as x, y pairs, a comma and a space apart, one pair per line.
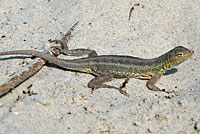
31, 69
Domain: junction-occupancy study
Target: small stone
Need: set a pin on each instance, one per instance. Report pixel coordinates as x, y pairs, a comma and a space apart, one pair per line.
3, 36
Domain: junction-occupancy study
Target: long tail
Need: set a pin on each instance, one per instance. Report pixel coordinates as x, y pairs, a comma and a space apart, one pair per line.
68, 64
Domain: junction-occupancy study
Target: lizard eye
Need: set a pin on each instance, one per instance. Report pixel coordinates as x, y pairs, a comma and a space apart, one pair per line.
180, 54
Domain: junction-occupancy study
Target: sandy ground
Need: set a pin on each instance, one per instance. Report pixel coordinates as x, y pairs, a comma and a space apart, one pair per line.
64, 104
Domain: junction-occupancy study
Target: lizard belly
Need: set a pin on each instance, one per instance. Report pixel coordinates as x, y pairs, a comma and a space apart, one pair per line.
142, 76
124, 71
118, 72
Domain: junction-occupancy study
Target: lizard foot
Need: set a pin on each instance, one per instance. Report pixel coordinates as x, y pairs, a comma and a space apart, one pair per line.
168, 92
123, 92
119, 89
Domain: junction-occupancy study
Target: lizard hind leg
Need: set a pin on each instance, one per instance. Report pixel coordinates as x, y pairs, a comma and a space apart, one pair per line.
124, 83
64, 49
98, 82
73, 52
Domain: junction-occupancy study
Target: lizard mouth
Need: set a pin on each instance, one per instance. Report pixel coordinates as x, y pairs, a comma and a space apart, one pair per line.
190, 53
187, 55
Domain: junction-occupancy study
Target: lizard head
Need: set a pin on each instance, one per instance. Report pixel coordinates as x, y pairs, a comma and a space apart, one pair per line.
179, 54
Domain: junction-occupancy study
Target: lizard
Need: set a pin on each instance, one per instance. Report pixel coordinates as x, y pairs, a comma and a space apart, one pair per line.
107, 67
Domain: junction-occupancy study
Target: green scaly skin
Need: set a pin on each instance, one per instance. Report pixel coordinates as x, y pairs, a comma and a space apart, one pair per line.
106, 67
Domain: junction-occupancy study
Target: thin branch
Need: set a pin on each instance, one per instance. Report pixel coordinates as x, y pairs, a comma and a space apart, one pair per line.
31, 69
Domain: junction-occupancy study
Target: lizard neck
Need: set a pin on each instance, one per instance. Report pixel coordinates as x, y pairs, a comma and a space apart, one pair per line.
166, 62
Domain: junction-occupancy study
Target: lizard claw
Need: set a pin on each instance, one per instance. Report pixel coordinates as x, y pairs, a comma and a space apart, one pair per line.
168, 92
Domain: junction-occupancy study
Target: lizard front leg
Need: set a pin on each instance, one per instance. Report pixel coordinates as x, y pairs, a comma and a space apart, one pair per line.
151, 84
105, 76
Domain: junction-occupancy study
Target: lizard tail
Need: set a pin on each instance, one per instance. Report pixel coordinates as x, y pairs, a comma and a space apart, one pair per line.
60, 62
44, 56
